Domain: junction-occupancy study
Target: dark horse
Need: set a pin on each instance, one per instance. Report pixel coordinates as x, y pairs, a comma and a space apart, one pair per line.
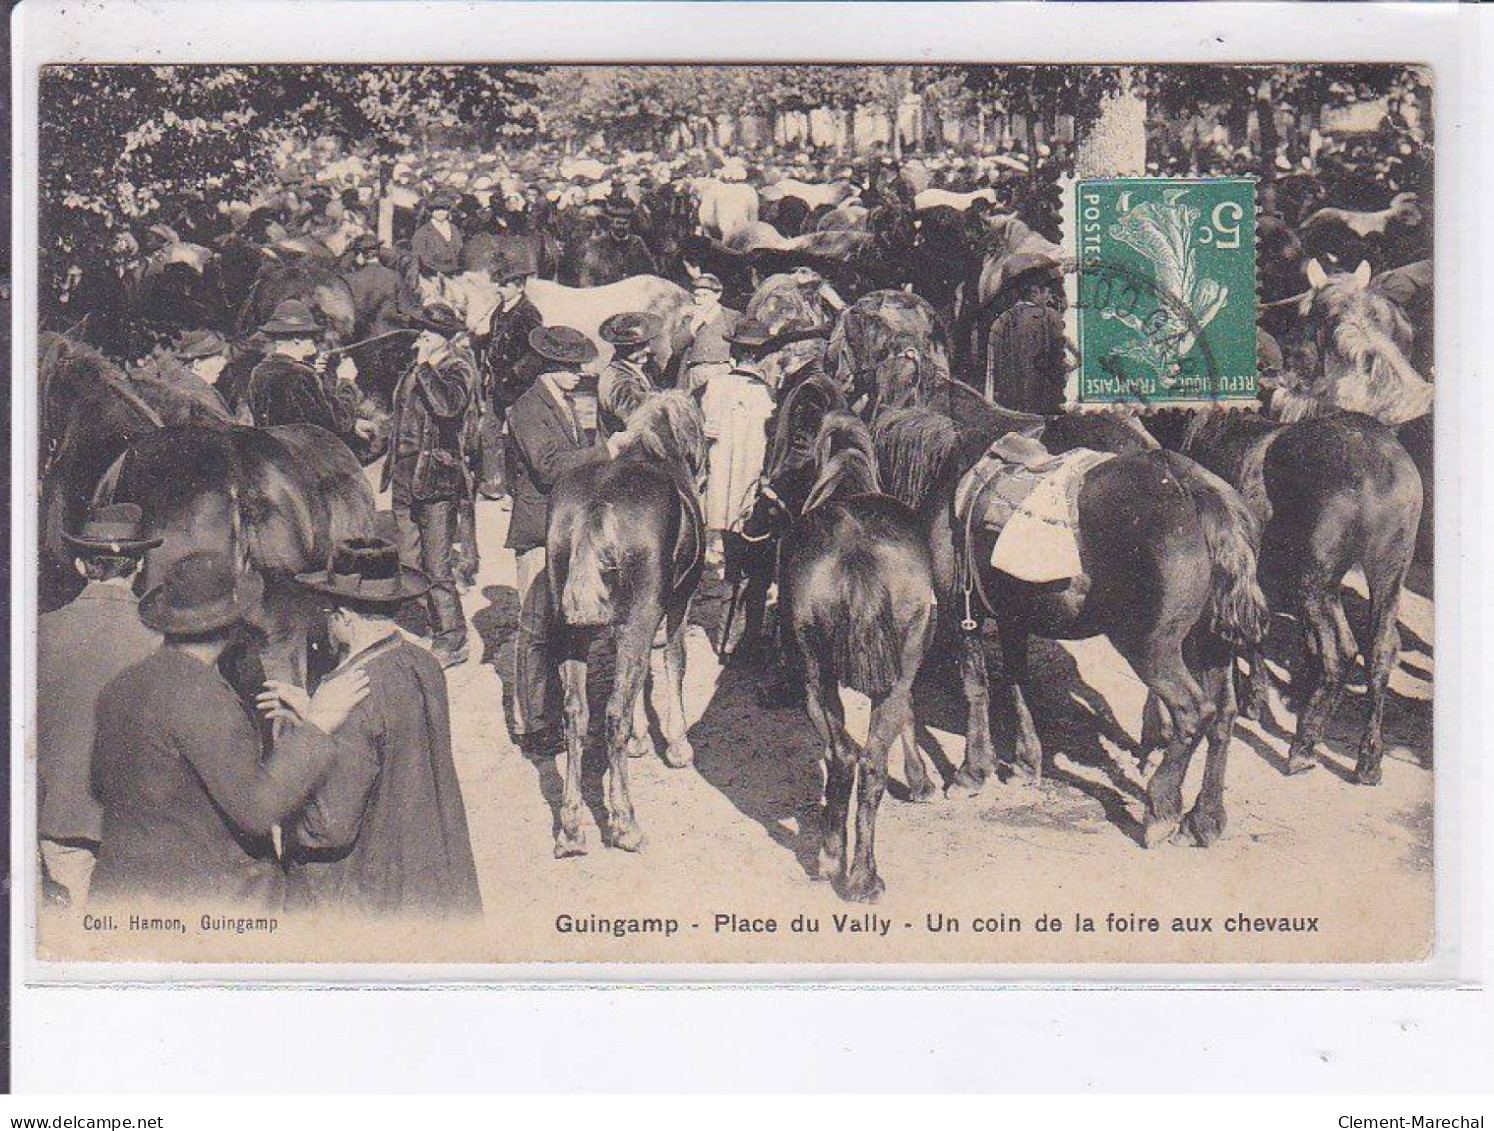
625, 546
858, 609
89, 413
1168, 574
1330, 493
277, 499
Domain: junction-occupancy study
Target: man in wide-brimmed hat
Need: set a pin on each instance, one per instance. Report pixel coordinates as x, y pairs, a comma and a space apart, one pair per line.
287, 387
628, 376
385, 833
546, 438
79, 649
736, 406
432, 434
188, 802
1026, 365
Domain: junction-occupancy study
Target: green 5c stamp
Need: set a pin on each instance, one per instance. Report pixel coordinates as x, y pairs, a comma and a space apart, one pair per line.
1166, 291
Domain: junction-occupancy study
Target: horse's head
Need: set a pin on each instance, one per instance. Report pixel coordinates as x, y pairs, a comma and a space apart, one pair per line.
1348, 350
908, 369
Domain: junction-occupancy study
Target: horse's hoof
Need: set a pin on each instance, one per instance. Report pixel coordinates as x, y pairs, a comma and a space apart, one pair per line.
629, 838
570, 844
826, 866
1367, 775
1158, 831
966, 783
1200, 829
639, 746
678, 755
1300, 763
926, 794
864, 889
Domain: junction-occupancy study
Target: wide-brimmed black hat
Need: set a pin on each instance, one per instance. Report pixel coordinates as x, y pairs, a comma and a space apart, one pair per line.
366, 571
118, 528
201, 593
439, 318
507, 270
292, 319
562, 344
750, 334
634, 328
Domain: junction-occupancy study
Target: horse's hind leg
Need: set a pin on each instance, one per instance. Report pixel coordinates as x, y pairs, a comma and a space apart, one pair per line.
1380, 658
640, 741
1205, 822
891, 717
570, 839
1014, 670
822, 701
634, 640
1165, 673
980, 756
1327, 635
677, 751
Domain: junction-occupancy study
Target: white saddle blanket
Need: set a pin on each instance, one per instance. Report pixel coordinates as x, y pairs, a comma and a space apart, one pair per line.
1040, 542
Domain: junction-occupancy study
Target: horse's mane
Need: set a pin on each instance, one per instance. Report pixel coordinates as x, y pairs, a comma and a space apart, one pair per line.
850, 471
671, 430
1370, 333
80, 372
625, 392
913, 447
789, 438
839, 431
1215, 428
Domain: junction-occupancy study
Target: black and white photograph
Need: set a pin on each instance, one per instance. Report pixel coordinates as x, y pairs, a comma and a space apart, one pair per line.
817, 513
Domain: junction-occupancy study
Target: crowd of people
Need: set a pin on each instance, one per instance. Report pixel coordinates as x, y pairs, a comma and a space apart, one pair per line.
162, 791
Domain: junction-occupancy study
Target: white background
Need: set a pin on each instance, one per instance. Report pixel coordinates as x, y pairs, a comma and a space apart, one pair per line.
803, 1038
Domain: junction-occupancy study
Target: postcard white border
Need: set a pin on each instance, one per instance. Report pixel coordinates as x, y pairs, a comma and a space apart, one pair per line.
1442, 35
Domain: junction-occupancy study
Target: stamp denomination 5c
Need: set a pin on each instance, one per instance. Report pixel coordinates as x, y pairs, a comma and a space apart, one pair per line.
1166, 291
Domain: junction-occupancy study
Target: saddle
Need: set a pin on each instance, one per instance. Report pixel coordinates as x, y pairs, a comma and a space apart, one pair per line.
1025, 501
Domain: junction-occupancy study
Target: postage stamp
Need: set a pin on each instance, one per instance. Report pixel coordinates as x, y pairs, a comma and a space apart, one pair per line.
1167, 293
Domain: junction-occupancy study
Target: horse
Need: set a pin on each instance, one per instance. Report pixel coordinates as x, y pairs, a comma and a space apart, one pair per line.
724, 208
857, 594
315, 282
1168, 557
276, 499
814, 195
586, 308
1348, 351
789, 472
1329, 493
89, 412
625, 546
888, 348
936, 197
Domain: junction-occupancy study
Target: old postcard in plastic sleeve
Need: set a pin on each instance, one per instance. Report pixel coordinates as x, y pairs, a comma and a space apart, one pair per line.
925, 516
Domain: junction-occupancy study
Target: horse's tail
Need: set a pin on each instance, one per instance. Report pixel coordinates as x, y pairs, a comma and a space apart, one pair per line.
861, 627
1237, 607
587, 596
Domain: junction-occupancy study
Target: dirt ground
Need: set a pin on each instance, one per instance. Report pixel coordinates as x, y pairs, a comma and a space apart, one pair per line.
724, 875
727, 836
